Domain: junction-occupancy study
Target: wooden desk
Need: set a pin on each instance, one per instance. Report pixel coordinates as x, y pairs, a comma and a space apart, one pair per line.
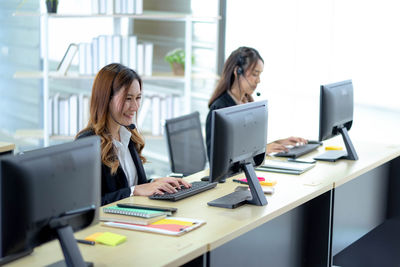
6, 148
293, 229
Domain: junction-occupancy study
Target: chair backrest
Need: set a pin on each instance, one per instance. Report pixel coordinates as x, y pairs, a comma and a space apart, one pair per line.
187, 154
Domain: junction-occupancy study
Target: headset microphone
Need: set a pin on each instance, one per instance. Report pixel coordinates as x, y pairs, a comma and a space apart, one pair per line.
258, 94
131, 126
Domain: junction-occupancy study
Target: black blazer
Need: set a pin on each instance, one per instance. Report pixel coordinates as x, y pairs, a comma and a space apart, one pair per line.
115, 187
223, 101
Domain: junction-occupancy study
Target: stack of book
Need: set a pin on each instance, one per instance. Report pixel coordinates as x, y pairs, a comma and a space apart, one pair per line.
106, 49
147, 219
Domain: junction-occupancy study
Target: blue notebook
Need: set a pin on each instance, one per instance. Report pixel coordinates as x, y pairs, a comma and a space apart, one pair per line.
143, 213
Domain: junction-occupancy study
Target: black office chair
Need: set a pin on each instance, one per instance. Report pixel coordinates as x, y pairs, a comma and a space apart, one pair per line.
187, 154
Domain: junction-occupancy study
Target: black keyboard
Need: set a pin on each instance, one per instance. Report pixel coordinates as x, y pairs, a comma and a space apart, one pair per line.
197, 187
298, 151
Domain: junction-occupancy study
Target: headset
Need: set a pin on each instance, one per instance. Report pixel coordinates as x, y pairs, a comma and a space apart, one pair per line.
130, 126
240, 71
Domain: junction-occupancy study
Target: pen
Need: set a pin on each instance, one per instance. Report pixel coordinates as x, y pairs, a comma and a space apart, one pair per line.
238, 181
83, 241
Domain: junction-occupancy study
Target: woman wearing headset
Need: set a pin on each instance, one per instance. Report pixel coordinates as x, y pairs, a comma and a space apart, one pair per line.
240, 77
115, 101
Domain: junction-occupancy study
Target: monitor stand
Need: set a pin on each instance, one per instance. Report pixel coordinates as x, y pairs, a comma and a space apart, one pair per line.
334, 155
236, 199
69, 246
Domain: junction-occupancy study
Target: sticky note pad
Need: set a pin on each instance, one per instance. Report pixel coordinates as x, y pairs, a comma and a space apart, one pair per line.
333, 148
93, 237
111, 239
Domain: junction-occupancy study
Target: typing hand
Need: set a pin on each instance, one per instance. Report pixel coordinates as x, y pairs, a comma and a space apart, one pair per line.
292, 141
157, 187
174, 182
276, 147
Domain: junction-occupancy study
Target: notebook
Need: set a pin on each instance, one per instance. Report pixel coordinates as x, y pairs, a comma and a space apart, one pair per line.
288, 167
143, 213
168, 226
113, 217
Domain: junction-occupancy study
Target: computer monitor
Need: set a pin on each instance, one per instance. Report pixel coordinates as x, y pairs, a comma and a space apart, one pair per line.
238, 143
46, 194
336, 117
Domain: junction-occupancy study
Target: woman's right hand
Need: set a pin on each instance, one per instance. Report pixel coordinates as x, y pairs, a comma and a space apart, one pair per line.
276, 147
156, 187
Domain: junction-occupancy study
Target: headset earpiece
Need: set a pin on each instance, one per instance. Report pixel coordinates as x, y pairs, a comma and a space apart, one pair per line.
239, 71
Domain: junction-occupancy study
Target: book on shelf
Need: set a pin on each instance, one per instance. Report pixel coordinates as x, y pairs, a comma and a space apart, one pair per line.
55, 127
125, 50
284, 166
88, 59
102, 49
138, 6
133, 51
116, 48
73, 115
169, 226
66, 61
140, 58
95, 55
148, 59
109, 50
63, 116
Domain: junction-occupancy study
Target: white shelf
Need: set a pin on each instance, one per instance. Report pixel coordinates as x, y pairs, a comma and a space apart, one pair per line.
153, 81
147, 15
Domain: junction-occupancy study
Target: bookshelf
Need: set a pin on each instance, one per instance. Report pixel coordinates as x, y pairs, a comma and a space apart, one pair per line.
49, 76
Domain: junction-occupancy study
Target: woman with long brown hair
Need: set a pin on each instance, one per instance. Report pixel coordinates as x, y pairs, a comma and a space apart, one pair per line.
115, 101
239, 79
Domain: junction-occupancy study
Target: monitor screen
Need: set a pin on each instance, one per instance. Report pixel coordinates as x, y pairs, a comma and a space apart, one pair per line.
336, 116
238, 141
48, 193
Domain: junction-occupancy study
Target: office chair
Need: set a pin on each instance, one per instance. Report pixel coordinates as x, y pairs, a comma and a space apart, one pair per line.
186, 150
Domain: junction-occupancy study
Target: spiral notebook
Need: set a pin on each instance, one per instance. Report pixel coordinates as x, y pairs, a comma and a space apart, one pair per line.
143, 213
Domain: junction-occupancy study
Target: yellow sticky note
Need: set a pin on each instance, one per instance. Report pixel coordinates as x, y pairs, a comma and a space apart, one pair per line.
333, 148
111, 239
93, 237
268, 183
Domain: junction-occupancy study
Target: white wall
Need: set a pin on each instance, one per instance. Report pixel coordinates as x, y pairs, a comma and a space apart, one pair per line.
306, 43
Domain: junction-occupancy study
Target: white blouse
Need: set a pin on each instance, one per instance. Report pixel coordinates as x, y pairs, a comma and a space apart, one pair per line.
125, 158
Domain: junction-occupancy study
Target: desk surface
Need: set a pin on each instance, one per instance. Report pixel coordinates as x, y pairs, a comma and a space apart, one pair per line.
4, 147
222, 225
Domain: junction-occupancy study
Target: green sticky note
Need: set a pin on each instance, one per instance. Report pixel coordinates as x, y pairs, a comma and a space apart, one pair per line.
111, 239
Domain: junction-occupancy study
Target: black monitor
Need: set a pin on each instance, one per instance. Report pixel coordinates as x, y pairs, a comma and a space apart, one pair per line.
46, 194
238, 143
336, 117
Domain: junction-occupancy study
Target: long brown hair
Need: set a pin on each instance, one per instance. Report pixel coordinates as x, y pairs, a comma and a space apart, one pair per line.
108, 81
245, 58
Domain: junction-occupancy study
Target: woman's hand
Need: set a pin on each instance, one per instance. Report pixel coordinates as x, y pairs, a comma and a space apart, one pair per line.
276, 147
159, 186
292, 141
